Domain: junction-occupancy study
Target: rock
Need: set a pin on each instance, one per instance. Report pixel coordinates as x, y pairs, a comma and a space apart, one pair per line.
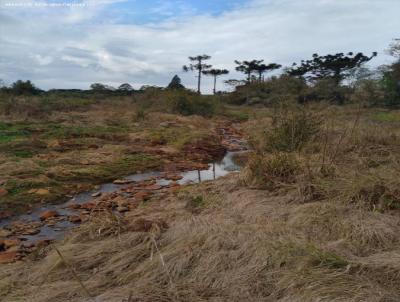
74, 206
43, 243
142, 195
4, 233
3, 192
31, 231
122, 181
74, 219
8, 243
97, 194
174, 177
88, 206
153, 187
28, 245
48, 214
200, 166
174, 189
4, 214
8, 257
122, 209
167, 124
42, 192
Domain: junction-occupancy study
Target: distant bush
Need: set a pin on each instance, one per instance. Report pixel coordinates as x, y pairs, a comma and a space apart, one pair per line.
268, 93
40, 106
190, 104
369, 93
391, 85
326, 90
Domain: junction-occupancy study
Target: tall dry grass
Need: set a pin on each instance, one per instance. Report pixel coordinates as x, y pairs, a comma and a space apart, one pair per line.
324, 237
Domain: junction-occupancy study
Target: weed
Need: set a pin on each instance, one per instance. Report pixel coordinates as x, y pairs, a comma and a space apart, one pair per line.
268, 171
290, 133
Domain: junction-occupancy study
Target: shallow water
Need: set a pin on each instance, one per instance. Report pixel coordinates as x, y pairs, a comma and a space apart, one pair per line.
57, 231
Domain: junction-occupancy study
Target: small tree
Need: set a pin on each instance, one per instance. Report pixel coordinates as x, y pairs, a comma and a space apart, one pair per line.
125, 87
176, 83
394, 49
336, 67
215, 73
263, 68
248, 67
101, 87
391, 77
24, 87
199, 66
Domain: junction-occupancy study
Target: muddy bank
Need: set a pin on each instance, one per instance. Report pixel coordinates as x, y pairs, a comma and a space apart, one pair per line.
24, 234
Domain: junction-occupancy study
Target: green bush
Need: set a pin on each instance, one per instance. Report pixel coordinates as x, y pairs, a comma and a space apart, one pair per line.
270, 92
291, 132
190, 104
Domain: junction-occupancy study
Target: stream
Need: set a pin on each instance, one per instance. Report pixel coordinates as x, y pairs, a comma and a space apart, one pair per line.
57, 229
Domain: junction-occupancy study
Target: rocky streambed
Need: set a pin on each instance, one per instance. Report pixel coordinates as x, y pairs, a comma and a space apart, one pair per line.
22, 235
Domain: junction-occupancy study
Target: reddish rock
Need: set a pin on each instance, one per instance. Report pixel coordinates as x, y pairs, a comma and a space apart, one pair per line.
173, 177
74, 206
3, 192
174, 189
88, 206
30, 231
48, 214
4, 214
8, 243
43, 243
8, 257
201, 166
153, 187
74, 219
84, 217
142, 195
4, 233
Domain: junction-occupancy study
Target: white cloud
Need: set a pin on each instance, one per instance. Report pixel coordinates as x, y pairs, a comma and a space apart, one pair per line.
72, 47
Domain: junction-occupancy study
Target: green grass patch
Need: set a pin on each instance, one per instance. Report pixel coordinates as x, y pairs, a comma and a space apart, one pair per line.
60, 131
23, 154
11, 132
387, 117
106, 172
177, 137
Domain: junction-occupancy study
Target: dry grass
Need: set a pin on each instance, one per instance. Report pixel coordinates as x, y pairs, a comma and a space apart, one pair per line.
319, 239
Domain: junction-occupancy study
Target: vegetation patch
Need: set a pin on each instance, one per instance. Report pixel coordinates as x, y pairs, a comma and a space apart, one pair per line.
270, 171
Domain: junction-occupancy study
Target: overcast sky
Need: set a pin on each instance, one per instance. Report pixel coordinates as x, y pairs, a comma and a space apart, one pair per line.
71, 44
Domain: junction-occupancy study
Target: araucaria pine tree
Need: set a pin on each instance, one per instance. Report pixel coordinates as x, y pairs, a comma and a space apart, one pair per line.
215, 73
199, 66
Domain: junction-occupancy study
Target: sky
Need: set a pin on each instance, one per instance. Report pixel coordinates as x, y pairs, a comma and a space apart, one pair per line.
73, 43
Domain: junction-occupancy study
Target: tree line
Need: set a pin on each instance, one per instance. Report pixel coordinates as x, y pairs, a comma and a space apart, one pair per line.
337, 68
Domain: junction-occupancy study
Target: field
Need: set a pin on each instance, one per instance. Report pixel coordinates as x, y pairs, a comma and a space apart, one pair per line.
313, 216
71, 145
